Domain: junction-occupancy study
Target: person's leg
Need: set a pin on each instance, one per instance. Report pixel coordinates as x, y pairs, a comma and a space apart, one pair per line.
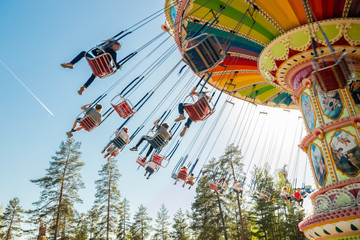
151, 148
141, 140
181, 108
78, 57
181, 113
107, 145
89, 81
187, 125
188, 122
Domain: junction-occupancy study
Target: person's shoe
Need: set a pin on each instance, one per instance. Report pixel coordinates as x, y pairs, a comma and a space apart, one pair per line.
133, 149
67, 65
69, 134
183, 131
106, 155
180, 118
144, 159
148, 177
81, 90
103, 151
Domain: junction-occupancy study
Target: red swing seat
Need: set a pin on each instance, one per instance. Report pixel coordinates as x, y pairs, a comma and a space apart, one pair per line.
213, 186
200, 110
332, 71
140, 162
159, 160
182, 176
102, 65
123, 107
88, 123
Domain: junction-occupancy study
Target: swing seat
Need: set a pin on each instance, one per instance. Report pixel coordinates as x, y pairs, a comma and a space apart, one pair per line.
140, 162
88, 123
123, 107
174, 175
119, 143
213, 186
255, 196
190, 183
102, 65
203, 52
332, 75
200, 110
182, 176
158, 141
159, 160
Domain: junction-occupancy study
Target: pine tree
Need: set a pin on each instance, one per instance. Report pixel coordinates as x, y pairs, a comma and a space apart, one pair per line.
93, 217
231, 161
107, 198
124, 220
81, 227
60, 188
205, 217
11, 220
140, 228
162, 223
180, 226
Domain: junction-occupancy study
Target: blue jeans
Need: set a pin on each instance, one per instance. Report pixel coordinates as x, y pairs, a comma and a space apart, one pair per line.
77, 59
181, 111
150, 148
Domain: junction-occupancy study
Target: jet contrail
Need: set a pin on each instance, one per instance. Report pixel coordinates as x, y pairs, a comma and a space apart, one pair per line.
18, 79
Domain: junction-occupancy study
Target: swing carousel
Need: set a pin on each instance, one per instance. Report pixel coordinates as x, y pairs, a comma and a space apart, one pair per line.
298, 54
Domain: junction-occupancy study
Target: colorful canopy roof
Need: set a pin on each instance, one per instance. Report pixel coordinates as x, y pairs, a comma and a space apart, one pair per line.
263, 22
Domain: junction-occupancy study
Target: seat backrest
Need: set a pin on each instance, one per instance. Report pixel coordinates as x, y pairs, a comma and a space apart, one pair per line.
203, 52
199, 111
102, 65
213, 186
332, 75
124, 109
140, 162
88, 123
182, 176
157, 159
119, 142
158, 141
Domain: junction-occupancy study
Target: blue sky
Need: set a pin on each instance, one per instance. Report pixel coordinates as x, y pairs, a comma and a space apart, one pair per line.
39, 35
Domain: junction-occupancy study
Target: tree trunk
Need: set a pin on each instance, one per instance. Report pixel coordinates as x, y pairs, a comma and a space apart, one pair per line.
222, 217
108, 206
11, 222
238, 203
61, 194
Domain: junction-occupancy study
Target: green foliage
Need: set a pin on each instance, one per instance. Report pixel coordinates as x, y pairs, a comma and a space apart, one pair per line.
11, 220
124, 221
180, 226
274, 218
59, 189
162, 223
140, 228
81, 227
107, 199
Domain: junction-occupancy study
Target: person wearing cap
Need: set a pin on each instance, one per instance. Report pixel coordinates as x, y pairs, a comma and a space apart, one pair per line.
181, 111
162, 130
123, 134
